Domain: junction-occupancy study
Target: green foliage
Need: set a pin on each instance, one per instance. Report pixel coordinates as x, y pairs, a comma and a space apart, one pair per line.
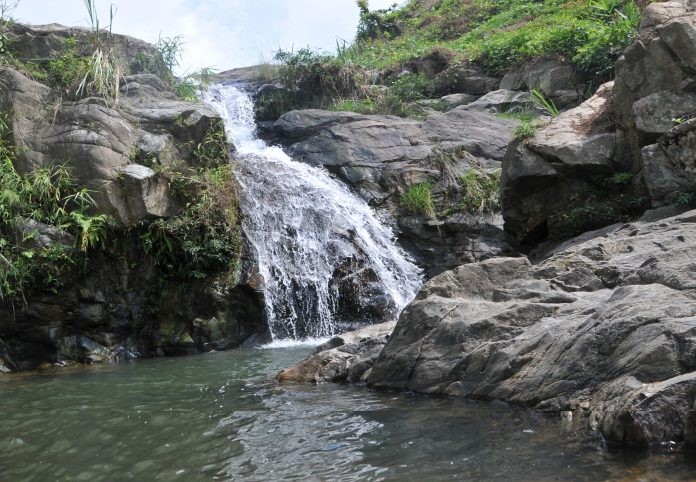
64, 72
46, 195
526, 129
686, 198
378, 23
481, 192
501, 34
411, 87
608, 199
319, 79
205, 237
419, 200
544, 103
103, 74
213, 151
6, 21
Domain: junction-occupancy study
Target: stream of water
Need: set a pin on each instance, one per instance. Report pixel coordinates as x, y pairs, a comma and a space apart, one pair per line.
213, 417
306, 227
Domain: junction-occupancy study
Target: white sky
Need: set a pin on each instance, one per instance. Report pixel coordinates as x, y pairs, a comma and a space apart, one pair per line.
217, 33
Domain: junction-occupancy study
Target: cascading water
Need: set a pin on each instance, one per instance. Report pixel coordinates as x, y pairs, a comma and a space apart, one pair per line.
306, 227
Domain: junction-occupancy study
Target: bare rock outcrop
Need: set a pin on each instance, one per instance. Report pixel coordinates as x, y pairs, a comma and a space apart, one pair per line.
603, 329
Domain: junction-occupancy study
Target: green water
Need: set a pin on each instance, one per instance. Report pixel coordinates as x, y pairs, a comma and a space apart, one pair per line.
215, 417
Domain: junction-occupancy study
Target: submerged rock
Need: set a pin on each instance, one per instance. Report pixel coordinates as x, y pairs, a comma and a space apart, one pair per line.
604, 328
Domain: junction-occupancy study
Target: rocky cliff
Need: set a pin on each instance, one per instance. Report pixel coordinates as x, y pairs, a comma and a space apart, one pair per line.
599, 328
148, 160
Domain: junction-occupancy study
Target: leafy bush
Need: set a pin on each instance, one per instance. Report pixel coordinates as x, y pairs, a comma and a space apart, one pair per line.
204, 238
319, 79
412, 87
377, 23
419, 200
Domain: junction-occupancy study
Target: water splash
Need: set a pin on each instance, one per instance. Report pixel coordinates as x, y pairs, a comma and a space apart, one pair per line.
306, 227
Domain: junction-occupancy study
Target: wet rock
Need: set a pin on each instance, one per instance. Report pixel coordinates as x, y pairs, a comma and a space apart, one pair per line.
347, 357
603, 328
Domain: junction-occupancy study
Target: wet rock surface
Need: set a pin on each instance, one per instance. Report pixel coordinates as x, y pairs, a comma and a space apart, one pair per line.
381, 157
346, 357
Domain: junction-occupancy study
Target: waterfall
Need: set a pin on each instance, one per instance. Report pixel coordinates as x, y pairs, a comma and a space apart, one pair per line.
307, 228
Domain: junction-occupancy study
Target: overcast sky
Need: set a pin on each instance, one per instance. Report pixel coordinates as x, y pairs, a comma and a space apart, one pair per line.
217, 33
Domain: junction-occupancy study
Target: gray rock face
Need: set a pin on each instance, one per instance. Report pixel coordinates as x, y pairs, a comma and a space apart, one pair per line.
381, 155
655, 76
98, 142
41, 42
604, 329
499, 101
551, 174
347, 357
439, 245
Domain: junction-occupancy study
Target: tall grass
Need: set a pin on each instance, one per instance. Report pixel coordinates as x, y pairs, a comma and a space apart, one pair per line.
103, 74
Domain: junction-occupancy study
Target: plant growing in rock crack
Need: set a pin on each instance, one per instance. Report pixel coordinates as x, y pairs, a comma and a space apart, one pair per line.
103, 74
544, 103
45, 198
418, 199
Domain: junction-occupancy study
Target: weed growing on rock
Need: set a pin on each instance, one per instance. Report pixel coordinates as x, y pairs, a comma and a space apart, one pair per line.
481, 192
46, 226
204, 238
419, 200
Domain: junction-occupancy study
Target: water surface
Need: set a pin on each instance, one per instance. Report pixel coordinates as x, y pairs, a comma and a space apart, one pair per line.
214, 417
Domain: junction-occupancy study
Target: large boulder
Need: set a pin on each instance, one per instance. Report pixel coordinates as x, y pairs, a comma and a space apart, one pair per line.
670, 164
98, 142
655, 77
604, 330
380, 156
43, 42
347, 357
569, 177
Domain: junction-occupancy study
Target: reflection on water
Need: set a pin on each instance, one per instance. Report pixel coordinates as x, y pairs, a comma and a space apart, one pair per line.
214, 418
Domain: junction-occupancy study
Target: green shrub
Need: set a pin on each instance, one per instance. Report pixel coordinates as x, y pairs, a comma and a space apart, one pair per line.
205, 237
320, 79
412, 87
481, 192
64, 72
526, 129
419, 200
377, 23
